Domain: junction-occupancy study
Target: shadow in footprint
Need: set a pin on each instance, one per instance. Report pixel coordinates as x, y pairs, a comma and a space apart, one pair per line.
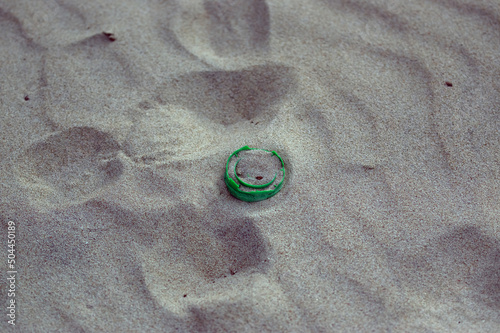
231, 96
220, 248
238, 26
464, 259
243, 245
69, 166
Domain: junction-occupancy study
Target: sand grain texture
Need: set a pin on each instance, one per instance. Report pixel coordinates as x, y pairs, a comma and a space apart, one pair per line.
117, 119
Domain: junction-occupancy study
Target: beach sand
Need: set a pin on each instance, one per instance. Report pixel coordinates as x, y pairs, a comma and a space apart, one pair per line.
118, 117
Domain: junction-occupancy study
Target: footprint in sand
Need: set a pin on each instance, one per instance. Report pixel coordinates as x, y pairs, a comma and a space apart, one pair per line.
230, 97
206, 266
216, 31
68, 167
216, 254
192, 112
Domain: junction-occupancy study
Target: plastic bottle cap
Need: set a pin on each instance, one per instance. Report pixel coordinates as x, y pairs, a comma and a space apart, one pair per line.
254, 174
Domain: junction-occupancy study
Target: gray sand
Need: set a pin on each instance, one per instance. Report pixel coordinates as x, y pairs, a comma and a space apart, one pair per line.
117, 119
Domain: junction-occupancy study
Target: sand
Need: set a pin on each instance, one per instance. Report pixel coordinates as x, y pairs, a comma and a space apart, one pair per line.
117, 119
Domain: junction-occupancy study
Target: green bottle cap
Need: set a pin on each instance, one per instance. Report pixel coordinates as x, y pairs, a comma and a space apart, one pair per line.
254, 174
